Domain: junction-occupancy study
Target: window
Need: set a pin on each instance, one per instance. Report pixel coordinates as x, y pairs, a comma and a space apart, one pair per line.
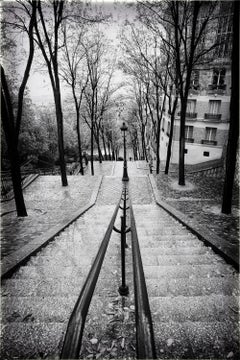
224, 31
206, 153
218, 78
214, 107
191, 106
195, 80
188, 132
210, 133
185, 151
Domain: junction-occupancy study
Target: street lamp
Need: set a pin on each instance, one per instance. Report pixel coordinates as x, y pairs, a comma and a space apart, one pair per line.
125, 173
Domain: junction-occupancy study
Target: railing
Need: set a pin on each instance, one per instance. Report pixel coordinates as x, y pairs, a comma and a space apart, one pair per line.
73, 338
217, 89
209, 142
191, 115
189, 140
144, 329
215, 117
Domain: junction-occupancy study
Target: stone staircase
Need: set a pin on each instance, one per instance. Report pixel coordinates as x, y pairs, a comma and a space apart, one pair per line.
193, 293
38, 299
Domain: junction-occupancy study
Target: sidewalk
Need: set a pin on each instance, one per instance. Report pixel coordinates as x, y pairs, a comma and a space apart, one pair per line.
48, 204
200, 199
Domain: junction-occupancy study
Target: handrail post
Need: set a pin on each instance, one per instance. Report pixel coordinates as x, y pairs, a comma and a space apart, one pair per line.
125, 215
123, 289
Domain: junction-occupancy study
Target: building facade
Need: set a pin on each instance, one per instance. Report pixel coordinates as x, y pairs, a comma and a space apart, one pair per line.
207, 117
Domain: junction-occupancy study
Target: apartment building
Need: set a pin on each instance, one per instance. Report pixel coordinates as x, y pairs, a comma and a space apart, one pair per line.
207, 117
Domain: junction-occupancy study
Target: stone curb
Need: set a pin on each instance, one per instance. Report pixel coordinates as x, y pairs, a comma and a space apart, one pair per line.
218, 244
19, 257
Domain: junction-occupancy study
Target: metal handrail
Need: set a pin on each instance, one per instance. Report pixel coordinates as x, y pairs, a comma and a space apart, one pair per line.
144, 328
73, 337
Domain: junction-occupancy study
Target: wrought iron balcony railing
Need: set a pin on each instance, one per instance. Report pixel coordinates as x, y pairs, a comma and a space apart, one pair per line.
215, 117
209, 142
189, 115
189, 140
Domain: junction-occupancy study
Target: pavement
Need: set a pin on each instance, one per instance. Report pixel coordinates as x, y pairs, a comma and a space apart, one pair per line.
193, 292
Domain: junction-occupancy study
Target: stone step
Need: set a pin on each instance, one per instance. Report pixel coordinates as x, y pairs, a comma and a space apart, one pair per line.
181, 259
37, 308
151, 231
65, 286
197, 340
187, 271
227, 285
143, 237
44, 272
194, 308
170, 243
29, 340
176, 250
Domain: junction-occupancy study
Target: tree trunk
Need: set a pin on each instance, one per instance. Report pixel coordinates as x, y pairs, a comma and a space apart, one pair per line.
169, 150
113, 154
79, 145
92, 133
104, 145
181, 180
234, 119
99, 148
92, 168
109, 150
8, 126
59, 116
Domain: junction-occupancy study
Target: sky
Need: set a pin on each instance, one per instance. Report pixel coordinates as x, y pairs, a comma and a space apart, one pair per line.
39, 82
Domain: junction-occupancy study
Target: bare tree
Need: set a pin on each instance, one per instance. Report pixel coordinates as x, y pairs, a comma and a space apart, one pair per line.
47, 30
11, 122
192, 41
74, 72
149, 68
234, 118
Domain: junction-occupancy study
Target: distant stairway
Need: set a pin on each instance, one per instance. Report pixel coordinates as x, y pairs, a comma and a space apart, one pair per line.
193, 293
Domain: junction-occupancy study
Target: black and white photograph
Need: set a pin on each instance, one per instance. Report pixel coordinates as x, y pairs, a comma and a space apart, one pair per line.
119, 179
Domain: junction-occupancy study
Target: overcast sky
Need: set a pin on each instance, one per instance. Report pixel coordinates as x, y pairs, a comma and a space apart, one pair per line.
39, 83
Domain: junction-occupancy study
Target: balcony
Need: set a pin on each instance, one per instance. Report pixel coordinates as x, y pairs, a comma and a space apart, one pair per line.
209, 142
189, 115
189, 140
214, 117
216, 89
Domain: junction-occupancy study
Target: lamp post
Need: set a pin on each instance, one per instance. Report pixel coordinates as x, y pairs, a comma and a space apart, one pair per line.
125, 173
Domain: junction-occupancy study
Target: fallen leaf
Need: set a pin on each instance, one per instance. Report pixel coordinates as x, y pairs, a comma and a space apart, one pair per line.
230, 355
123, 343
94, 341
169, 342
